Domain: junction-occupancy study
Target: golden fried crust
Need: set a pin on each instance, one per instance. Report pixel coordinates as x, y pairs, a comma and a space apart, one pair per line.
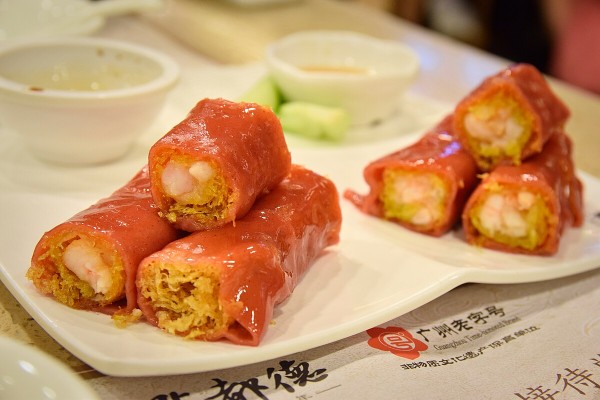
185, 299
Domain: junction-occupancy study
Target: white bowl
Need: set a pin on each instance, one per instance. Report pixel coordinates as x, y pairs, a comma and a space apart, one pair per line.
81, 100
366, 76
28, 373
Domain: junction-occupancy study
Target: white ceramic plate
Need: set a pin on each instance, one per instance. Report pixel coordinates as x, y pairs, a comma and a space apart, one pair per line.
378, 272
27, 373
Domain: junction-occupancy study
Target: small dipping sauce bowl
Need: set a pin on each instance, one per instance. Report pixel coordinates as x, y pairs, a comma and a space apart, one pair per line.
365, 75
81, 101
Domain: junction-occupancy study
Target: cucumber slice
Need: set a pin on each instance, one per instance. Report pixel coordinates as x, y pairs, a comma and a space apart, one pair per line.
264, 92
314, 120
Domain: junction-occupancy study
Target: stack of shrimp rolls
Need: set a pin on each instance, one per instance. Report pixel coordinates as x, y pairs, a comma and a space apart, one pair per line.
224, 283
211, 167
501, 164
91, 260
423, 186
525, 208
509, 117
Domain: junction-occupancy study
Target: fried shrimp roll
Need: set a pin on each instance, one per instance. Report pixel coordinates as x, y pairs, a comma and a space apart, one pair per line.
509, 117
525, 208
423, 186
211, 167
225, 282
90, 261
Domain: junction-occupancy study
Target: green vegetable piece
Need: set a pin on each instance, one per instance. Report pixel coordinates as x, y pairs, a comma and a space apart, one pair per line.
264, 92
314, 120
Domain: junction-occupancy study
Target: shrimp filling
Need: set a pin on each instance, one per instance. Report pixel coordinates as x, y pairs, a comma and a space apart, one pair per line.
498, 127
86, 261
185, 299
517, 218
80, 272
195, 188
417, 198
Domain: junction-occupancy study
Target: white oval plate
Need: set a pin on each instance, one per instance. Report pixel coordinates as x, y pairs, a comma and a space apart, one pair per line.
378, 272
27, 373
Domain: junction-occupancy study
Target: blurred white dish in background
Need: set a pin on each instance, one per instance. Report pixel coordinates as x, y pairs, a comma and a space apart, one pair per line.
364, 75
254, 3
44, 18
27, 373
82, 100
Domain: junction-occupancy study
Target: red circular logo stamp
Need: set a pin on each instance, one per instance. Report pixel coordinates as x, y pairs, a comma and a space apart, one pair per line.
397, 341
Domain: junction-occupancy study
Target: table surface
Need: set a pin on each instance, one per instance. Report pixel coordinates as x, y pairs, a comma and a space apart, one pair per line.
218, 36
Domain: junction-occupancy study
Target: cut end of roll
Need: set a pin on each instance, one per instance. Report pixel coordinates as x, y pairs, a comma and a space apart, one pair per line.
79, 271
185, 299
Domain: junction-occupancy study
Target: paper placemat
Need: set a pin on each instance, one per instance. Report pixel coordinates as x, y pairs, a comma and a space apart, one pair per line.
476, 342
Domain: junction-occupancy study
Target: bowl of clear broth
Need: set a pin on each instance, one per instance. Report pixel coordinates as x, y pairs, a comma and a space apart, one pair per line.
82, 101
365, 75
